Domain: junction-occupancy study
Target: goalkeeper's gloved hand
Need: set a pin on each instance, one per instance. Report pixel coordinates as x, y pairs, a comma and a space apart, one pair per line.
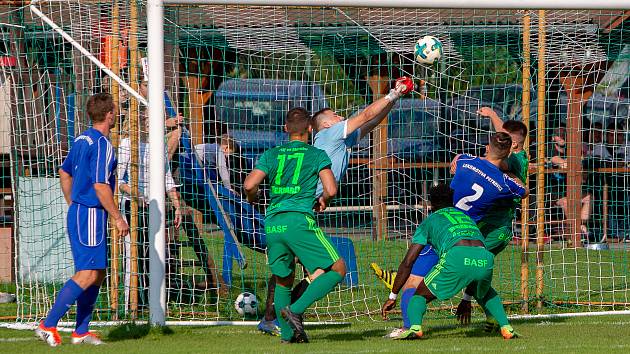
403, 86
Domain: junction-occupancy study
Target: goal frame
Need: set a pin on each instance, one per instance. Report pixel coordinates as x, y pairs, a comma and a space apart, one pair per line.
156, 80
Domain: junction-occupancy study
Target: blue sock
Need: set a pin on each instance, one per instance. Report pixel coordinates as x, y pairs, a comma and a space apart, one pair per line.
65, 299
85, 306
404, 305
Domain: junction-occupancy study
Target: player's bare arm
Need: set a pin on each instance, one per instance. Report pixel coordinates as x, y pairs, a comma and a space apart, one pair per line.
330, 189
106, 197
66, 185
404, 270
496, 121
374, 114
252, 182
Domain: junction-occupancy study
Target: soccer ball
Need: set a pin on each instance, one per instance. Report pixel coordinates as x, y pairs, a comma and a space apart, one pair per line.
246, 304
428, 49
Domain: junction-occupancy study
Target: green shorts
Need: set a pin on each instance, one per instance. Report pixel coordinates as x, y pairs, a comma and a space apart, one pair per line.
497, 237
458, 267
291, 235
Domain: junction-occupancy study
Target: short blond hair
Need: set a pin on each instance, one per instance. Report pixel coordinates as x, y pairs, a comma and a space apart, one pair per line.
228, 141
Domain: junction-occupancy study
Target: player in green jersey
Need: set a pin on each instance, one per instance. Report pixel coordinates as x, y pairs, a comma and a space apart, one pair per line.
293, 170
464, 261
496, 226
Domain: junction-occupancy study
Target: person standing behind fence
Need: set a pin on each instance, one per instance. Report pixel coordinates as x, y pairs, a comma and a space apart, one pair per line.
87, 182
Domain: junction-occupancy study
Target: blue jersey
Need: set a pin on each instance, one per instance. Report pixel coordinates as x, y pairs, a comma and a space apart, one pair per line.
478, 184
336, 142
90, 160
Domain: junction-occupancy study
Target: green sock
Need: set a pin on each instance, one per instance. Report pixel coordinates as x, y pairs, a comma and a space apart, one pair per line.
492, 302
416, 309
281, 299
319, 288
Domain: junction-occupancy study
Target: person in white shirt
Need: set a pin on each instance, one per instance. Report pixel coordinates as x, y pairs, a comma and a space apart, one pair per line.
175, 216
215, 158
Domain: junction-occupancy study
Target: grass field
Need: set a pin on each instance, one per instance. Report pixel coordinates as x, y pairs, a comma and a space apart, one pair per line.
604, 334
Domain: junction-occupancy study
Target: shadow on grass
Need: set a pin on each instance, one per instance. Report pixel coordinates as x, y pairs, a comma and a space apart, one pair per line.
355, 336
135, 331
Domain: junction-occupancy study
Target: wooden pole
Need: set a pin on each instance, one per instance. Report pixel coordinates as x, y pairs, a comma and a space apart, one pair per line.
577, 94
379, 85
525, 201
134, 140
540, 156
115, 90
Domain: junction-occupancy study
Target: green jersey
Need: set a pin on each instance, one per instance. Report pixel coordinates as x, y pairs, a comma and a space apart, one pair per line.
444, 228
293, 172
502, 212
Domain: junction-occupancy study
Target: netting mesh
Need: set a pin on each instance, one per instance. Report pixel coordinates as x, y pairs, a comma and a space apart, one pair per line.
233, 73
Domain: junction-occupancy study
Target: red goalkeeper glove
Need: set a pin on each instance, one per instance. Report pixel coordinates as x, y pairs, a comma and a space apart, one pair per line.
404, 85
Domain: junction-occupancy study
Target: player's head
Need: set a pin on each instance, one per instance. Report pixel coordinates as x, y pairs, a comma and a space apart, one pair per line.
325, 118
499, 146
440, 196
298, 121
144, 88
517, 131
228, 144
100, 108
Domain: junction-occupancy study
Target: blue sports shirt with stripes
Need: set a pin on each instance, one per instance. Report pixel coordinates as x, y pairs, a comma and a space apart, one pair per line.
90, 160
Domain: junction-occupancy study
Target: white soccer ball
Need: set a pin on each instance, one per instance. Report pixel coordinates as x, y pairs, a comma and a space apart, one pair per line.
246, 304
428, 49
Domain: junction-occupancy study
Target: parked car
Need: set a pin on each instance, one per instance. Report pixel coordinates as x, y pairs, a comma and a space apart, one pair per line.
411, 130
254, 110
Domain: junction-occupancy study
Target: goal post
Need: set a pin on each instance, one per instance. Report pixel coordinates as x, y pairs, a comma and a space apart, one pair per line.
233, 68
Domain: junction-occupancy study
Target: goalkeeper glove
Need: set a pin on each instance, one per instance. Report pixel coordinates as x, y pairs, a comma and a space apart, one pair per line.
403, 86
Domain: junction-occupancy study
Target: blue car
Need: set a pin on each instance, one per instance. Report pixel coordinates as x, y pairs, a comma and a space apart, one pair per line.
254, 109
411, 130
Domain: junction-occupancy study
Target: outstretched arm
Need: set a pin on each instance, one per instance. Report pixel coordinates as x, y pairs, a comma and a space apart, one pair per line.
497, 122
374, 114
253, 180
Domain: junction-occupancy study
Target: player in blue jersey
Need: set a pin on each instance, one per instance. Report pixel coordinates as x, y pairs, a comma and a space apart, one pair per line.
478, 182
478, 185
87, 182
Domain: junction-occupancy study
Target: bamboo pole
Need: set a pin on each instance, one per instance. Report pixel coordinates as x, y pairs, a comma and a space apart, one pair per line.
379, 85
540, 156
115, 249
525, 201
134, 62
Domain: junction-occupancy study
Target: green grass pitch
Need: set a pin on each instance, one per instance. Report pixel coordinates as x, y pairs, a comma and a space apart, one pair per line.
603, 334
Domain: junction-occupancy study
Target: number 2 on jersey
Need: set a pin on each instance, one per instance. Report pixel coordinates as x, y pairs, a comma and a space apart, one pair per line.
282, 159
463, 204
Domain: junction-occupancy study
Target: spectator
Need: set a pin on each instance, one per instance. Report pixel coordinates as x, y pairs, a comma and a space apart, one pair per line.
558, 160
215, 158
615, 148
178, 215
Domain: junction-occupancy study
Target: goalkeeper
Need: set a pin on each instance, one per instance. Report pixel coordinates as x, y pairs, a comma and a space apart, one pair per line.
464, 261
336, 135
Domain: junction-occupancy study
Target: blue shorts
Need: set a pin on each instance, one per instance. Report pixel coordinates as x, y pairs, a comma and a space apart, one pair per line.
425, 261
87, 230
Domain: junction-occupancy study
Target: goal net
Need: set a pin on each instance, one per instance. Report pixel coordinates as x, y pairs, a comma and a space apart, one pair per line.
232, 73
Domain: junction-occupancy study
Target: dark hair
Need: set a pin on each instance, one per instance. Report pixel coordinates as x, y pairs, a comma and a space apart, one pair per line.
598, 125
515, 126
501, 143
440, 196
317, 115
298, 120
98, 106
